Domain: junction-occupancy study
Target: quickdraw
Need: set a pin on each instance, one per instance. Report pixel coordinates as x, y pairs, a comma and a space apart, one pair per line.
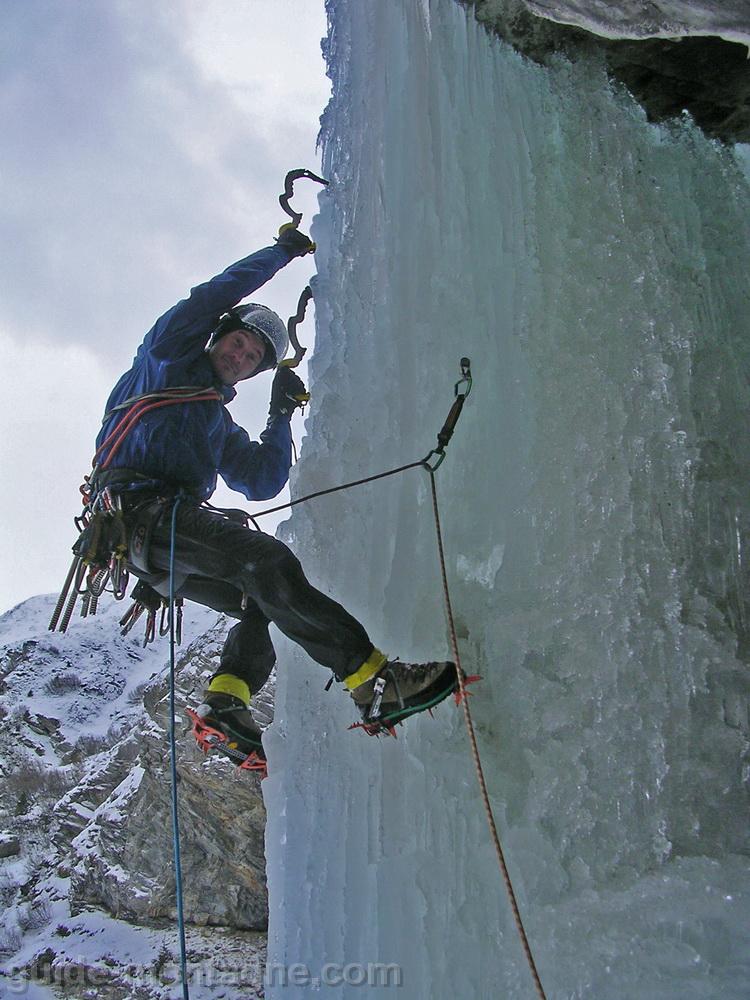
435, 458
147, 601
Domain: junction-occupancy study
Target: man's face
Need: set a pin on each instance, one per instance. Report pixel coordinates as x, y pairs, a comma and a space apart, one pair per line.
236, 355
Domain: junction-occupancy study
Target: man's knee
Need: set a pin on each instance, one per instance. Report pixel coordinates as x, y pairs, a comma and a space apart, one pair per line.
275, 569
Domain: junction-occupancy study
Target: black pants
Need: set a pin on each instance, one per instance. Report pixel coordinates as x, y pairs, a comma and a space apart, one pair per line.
226, 565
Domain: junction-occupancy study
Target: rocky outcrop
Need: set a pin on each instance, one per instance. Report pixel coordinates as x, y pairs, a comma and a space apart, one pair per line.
10, 846
124, 852
649, 18
85, 792
673, 56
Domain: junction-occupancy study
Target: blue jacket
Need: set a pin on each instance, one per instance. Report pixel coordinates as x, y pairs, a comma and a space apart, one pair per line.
187, 444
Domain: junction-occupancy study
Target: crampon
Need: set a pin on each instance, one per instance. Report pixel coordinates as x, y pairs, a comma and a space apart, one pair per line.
210, 739
385, 724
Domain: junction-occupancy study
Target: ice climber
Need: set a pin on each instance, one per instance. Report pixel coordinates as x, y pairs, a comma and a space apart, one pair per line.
192, 359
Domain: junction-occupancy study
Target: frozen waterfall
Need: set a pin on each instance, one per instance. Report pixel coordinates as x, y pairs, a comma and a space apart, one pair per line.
595, 270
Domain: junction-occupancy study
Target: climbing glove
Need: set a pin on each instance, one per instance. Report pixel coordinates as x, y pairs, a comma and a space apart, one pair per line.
287, 393
294, 241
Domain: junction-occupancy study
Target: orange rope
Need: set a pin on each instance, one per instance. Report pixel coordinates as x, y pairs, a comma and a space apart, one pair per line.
463, 698
124, 426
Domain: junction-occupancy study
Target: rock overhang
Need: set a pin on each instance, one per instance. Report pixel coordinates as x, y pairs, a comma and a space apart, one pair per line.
673, 57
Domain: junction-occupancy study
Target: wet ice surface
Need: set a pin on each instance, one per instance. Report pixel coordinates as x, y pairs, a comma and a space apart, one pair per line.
595, 510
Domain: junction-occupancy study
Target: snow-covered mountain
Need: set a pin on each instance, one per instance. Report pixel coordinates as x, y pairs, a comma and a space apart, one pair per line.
86, 873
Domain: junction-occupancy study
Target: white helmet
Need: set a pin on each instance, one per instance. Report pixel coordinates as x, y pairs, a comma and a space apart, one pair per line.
261, 320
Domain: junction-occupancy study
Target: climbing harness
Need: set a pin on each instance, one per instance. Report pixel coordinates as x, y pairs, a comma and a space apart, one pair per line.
102, 550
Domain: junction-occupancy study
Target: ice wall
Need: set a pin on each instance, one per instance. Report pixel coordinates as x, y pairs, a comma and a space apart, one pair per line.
594, 268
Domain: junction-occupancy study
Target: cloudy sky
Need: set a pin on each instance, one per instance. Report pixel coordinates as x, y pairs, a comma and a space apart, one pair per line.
144, 149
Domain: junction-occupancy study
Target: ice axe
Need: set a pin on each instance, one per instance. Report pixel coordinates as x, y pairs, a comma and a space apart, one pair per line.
291, 177
291, 324
299, 351
294, 321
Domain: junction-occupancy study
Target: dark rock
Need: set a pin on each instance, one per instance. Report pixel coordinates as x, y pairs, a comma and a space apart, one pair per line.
42, 724
43, 965
705, 75
9, 846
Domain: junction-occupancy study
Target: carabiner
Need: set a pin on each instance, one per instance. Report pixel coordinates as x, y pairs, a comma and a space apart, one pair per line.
439, 453
465, 378
165, 621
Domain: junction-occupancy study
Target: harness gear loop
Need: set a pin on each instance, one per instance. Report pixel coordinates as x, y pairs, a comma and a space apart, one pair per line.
103, 543
291, 177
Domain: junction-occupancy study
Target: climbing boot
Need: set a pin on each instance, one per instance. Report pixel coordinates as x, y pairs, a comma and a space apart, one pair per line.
389, 691
231, 716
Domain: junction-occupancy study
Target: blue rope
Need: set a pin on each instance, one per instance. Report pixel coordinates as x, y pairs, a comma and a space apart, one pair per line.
173, 758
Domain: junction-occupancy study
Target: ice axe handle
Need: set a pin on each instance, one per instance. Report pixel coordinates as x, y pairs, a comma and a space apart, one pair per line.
292, 324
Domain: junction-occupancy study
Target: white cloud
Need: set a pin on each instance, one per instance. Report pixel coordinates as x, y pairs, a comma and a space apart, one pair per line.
52, 404
144, 148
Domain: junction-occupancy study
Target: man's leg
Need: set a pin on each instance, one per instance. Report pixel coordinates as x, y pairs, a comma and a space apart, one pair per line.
248, 652
247, 660
264, 570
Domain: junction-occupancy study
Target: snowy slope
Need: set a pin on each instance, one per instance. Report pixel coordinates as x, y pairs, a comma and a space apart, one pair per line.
84, 815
